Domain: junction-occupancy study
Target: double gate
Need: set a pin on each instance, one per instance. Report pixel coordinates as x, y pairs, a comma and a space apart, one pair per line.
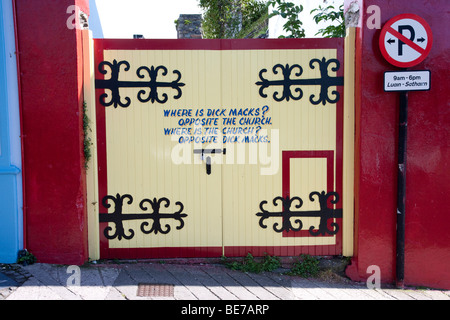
219, 147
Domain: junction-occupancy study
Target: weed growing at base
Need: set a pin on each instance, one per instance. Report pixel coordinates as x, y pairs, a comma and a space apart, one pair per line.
306, 266
249, 264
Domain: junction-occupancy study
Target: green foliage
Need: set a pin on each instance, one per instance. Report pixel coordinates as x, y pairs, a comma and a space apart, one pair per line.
256, 29
293, 26
224, 19
87, 139
249, 264
307, 266
253, 11
330, 14
219, 19
238, 18
25, 258
289, 11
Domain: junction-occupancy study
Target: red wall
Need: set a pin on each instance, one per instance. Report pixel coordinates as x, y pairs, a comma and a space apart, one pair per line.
51, 105
427, 240
54, 177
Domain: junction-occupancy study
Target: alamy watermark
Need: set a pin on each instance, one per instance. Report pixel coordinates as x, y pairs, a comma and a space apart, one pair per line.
261, 148
75, 276
374, 280
222, 136
77, 18
374, 19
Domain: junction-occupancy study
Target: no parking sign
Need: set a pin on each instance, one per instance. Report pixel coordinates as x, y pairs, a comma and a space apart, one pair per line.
405, 40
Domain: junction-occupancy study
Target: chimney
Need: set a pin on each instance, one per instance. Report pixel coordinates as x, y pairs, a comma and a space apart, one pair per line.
189, 26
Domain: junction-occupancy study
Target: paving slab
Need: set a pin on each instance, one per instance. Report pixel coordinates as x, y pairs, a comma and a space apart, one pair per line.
191, 282
6, 282
261, 293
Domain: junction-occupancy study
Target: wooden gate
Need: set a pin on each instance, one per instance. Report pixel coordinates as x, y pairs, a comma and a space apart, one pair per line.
219, 147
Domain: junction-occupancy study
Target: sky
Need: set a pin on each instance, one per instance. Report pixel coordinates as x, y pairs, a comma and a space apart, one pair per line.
154, 19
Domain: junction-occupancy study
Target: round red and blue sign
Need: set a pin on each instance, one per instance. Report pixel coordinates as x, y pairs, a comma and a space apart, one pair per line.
405, 40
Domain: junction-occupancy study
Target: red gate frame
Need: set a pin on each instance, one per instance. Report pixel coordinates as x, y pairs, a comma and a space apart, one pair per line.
218, 44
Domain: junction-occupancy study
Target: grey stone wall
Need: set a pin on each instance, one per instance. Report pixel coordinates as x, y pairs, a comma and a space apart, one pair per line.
189, 26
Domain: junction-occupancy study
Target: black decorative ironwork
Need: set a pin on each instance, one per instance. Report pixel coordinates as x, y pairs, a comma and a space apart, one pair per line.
325, 82
118, 217
114, 84
325, 213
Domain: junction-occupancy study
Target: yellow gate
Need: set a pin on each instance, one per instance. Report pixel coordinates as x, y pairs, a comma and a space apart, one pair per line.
219, 147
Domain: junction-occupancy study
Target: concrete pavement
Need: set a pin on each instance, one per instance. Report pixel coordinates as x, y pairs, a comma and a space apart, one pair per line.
175, 281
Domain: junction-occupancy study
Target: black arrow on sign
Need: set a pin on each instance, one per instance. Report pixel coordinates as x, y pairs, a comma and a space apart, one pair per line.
391, 41
421, 39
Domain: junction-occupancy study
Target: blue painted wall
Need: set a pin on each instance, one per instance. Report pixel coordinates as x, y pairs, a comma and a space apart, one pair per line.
95, 24
11, 211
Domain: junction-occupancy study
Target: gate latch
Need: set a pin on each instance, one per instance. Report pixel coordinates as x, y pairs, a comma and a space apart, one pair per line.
202, 152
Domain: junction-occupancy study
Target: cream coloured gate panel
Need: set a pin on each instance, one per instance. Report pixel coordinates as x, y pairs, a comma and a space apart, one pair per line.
221, 150
295, 126
145, 162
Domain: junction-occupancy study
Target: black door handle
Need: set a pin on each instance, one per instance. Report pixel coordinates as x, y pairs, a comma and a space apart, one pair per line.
208, 165
202, 152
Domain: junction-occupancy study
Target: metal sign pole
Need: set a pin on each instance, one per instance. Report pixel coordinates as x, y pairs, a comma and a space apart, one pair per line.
401, 187
407, 52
